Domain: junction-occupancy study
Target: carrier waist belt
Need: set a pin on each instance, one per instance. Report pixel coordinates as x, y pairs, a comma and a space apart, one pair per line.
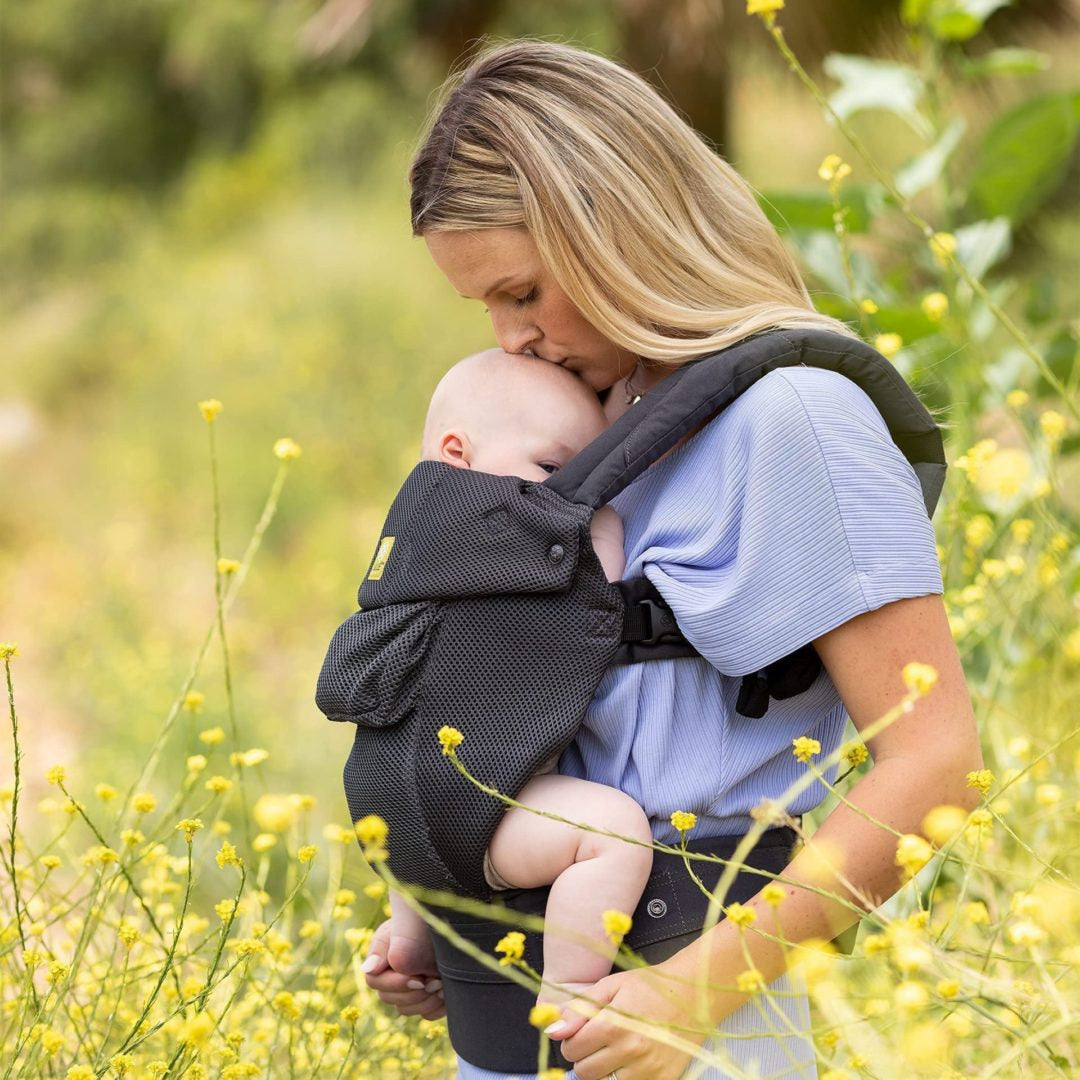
488, 1015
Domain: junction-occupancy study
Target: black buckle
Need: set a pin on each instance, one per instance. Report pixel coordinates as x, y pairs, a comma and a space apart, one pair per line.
662, 623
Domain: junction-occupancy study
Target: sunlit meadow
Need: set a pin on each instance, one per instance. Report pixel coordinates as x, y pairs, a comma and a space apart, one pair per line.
184, 895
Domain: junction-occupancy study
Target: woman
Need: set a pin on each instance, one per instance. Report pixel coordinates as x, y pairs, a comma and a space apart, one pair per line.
603, 235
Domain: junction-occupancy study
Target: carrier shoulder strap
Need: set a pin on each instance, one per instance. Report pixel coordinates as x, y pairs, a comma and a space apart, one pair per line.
700, 389
686, 400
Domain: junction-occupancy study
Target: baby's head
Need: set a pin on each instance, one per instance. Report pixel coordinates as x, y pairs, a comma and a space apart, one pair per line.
510, 415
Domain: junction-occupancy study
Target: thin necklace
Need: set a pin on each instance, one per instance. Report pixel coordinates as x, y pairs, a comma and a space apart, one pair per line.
633, 395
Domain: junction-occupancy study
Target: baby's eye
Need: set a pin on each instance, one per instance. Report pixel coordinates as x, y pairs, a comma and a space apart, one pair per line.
549, 467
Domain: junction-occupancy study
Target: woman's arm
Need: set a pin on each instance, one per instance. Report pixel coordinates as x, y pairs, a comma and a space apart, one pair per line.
919, 762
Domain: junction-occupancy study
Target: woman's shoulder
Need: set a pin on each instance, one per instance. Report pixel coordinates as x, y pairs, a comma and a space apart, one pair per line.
789, 405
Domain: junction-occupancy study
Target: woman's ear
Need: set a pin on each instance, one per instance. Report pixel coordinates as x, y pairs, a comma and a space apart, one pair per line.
455, 449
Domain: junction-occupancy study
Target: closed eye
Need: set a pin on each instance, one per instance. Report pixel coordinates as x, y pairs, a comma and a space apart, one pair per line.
548, 467
528, 298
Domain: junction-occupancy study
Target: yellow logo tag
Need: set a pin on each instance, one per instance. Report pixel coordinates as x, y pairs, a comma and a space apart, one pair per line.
382, 556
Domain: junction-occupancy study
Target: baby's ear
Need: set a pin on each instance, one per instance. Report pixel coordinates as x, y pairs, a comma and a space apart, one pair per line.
455, 449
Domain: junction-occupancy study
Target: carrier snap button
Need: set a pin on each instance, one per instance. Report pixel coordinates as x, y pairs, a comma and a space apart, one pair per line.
556, 552
656, 908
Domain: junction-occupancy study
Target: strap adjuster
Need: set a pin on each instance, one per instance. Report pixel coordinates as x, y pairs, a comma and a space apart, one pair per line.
661, 622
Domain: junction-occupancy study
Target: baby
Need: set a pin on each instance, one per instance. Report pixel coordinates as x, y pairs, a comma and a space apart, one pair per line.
521, 416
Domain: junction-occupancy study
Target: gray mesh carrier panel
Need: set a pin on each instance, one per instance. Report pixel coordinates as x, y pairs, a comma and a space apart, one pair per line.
492, 613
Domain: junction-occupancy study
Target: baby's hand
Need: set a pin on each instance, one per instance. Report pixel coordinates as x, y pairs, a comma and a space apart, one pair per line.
607, 542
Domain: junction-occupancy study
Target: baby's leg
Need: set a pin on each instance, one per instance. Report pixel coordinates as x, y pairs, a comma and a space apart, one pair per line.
588, 873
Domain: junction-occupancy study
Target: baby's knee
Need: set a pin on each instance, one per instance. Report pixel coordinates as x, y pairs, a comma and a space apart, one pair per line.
621, 815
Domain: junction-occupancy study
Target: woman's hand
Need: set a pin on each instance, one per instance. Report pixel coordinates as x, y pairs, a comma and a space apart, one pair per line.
601, 1045
403, 972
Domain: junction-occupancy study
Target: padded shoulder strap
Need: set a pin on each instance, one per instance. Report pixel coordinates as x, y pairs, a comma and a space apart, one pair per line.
695, 392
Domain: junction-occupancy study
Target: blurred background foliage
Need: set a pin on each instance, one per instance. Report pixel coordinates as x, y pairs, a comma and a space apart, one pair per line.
206, 198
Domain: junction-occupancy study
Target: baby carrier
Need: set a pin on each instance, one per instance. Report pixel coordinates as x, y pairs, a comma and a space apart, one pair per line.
486, 609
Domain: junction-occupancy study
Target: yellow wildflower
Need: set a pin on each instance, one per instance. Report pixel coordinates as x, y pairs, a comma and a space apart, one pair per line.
1071, 647
249, 758
888, 344
274, 813
307, 853
122, 1064
943, 823
350, 1014
212, 736
868, 307
56, 774
805, 748
773, 894
942, 247
228, 566
196, 763
218, 784
1025, 933
935, 306
224, 908
741, 915
749, 982
1004, 474
50, 862
855, 753
912, 853
376, 890
1017, 399
616, 925
144, 803
80, 1072
983, 779
544, 1015
766, 8
371, 831
919, 678
287, 449
450, 738
189, 827
1053, 425
910, 997
264, 841
227, 856
210, 409
683, 820
512, 947
193, 701
1048, 794
948, 988
8, 650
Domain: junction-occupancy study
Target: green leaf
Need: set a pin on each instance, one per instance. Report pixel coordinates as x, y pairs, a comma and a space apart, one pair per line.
1024, 155
983, 244
876, 84
959, 20
927, 168
789, 210
1005, 62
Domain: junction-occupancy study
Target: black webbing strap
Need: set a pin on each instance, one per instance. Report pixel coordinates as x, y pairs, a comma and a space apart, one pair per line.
697, 390
650, 631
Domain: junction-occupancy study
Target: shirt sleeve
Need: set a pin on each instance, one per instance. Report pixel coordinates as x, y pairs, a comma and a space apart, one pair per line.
800, 513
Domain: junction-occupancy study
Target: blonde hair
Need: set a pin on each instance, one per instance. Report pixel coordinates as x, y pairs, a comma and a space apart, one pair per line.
657, 240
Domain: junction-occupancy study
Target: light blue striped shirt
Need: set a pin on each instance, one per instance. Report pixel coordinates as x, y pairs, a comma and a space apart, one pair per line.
786, 516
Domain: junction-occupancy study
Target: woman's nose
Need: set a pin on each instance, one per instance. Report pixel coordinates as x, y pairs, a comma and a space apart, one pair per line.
513, 332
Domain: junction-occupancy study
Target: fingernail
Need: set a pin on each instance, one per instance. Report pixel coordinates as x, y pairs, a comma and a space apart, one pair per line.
414, 984
432, 985
370, 964
554, 1029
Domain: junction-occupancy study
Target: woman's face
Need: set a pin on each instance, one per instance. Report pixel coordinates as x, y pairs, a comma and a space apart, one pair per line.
529, 312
